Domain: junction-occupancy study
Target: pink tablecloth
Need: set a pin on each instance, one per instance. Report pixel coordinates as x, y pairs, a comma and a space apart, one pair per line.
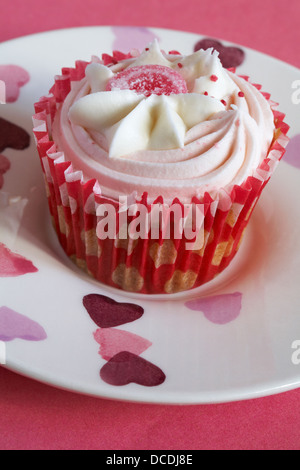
36, 416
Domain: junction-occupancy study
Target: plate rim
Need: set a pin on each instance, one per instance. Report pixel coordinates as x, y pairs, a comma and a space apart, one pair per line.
239, 394
153, 28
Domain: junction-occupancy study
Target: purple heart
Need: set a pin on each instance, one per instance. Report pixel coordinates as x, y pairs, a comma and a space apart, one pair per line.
126, 367
218, 309
13, 136
230, 56
107, 312
14, 325
292, 152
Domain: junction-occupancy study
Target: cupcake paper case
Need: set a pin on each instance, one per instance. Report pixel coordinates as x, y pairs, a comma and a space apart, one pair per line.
79, 198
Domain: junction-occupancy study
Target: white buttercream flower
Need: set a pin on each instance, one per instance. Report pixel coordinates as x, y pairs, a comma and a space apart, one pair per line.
131, 121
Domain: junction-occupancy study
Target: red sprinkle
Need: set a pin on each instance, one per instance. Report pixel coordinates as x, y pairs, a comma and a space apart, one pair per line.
241, 94
180, 65
213, 78
205, 93
224, 102
174, 52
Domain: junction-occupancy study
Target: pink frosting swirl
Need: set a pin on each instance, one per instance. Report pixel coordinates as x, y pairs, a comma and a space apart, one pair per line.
223, 148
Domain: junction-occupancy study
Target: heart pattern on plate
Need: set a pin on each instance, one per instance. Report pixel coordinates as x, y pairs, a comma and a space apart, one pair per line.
107, 312
113, 341
230, 56
14, 325
13, 264
292, 152
125, 368
121, 348
14, 78
132, 37
219, 309
13, 136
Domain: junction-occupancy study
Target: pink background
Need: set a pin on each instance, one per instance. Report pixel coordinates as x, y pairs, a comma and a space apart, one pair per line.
37, 416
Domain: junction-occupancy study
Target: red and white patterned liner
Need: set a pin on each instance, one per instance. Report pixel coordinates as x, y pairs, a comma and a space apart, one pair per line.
144, 266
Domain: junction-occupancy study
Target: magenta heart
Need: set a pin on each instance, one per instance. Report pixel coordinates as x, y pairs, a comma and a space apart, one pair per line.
14, 325
4, 167
292, 153
107, 312
112, 341
12, 264
230, 56
14, 78
219, 309
13, 136
125, 368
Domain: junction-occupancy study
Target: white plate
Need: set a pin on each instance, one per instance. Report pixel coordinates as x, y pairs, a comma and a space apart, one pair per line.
203, 361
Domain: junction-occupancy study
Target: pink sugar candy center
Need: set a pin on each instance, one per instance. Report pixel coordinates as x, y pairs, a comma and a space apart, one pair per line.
148, 80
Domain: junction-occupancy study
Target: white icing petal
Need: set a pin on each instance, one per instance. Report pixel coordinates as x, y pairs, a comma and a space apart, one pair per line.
131, 133
204, 73
98, 76
194, 108
169, 129
152, 56
103, 109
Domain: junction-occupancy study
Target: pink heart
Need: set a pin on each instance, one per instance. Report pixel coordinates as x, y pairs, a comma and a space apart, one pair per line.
14, 78
107, 312
125, 368
128, 38
14, 325
230, 56
218, 309
292, 152
112, 341
12, 264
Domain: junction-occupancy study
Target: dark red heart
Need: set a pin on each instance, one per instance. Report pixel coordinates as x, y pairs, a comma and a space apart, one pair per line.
13, 136
230, 56
126, 367
107, 312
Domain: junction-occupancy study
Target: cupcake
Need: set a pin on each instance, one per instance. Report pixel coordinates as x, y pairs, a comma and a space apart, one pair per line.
153, 164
